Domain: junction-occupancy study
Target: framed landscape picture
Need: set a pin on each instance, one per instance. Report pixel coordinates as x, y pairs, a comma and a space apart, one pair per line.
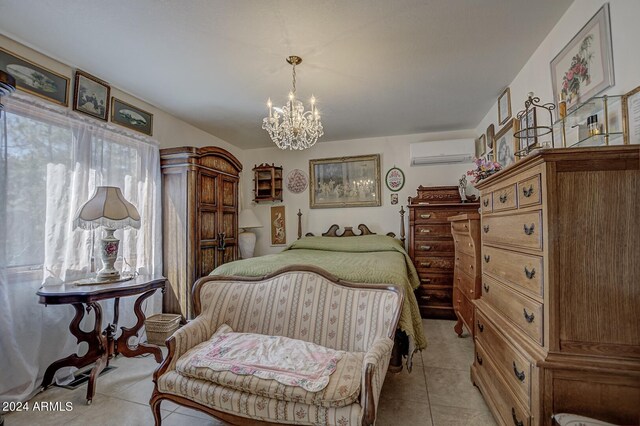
345, 182
129, 116
504, 146
36, 80
584, 67
91, 96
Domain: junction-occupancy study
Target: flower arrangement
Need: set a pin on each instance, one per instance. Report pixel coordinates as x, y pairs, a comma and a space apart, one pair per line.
484, 169
578, 71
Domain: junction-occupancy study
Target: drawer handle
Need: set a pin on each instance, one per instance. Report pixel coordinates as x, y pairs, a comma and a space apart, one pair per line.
426, 297
485, 228
527, 192
487, 258
527, 316
426, 248
426, 264
530, 273
485, 202
479, 358
528, 230
425, 216
424, 231
426, 280
486, 288
503, 198
516, 422
480, 327
519, 374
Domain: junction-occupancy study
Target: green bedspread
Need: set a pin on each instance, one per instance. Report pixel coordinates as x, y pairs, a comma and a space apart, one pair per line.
365, 259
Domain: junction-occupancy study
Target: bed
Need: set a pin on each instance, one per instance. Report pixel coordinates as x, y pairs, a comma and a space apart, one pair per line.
363, 258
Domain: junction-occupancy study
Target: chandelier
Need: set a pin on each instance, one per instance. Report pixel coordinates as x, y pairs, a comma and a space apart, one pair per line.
291, 127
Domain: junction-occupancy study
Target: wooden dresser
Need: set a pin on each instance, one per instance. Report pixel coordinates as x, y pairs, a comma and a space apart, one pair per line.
467, 274
199, 218
558, 323
431, 246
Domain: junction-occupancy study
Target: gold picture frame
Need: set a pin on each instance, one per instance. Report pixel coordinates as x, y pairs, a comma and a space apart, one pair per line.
505, 145
36, 79
504, 106
345, 182
130, 116
629, 115
91, 96
278, 226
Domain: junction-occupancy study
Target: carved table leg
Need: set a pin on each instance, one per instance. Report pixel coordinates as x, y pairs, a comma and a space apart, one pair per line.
92, 338
122, 345
102, 351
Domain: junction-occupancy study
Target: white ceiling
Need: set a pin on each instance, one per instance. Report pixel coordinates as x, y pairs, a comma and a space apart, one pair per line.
377, 67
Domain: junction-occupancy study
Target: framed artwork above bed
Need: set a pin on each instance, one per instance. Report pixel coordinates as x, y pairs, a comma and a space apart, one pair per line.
345, 182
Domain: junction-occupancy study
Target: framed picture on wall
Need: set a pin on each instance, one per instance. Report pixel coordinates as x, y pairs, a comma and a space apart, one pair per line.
504, 106
129, 116
345, 182
631, 114
505, 145
34, 79
91, 96
584, 67
278, 226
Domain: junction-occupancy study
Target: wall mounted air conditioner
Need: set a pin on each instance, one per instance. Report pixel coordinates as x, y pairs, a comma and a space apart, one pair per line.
442, 152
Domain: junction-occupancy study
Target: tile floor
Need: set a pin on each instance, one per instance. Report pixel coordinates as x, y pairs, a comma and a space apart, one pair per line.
438, 392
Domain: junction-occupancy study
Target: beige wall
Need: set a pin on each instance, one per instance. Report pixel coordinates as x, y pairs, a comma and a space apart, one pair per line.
393, 151
535, 76
168, 130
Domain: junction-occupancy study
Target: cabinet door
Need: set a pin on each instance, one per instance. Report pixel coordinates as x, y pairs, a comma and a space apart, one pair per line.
208, 218
228, 220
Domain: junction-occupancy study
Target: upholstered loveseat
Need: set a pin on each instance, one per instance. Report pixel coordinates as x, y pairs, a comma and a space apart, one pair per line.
302, 303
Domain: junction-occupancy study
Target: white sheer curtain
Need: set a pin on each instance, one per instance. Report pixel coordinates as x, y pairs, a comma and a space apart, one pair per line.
54, 160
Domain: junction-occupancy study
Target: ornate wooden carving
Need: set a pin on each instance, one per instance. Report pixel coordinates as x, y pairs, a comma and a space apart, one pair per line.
348, 231
436, 195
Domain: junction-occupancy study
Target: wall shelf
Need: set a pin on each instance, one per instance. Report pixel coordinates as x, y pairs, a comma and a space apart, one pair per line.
267, 183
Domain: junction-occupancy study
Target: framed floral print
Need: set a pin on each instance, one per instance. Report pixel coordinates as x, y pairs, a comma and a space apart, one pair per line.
584, 67
394, 179
345, 182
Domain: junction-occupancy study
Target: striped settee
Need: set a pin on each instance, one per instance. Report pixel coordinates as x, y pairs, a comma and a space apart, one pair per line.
300, 302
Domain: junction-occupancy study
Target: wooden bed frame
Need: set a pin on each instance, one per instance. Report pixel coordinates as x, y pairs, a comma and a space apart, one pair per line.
401, 341
348, 230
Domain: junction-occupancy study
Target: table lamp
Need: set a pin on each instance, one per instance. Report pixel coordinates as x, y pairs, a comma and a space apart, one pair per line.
247, 240
107, 207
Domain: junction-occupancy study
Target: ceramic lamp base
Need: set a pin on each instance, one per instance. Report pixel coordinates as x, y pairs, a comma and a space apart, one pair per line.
247, 244
108, 253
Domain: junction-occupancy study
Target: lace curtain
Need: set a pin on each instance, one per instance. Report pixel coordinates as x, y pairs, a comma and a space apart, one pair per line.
53, 160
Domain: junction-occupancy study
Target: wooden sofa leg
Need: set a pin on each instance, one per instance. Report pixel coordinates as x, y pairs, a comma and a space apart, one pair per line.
155, 408
400, 346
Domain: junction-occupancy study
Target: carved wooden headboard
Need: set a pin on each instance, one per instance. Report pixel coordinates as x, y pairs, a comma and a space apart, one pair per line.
348, 230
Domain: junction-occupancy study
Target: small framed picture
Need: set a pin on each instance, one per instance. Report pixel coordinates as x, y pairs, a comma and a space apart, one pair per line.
505, 145
36, 80
631, 116
490, 136
394, 179
91, 96
481, 146
129, 116
504, 106
278, 226
526, 121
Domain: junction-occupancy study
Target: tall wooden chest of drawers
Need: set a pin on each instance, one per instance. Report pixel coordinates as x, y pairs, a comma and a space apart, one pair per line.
467, 274
431, 246
558, 323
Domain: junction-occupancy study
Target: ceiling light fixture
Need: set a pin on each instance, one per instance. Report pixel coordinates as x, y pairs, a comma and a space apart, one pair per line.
291, 127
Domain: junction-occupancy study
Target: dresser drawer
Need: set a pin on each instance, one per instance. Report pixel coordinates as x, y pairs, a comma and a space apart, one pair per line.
463, 306
464, 244
462, 227
486, 204
436, 230
515, 368
430, 215
509, 409
466, 263
465, 283
434, 296
523, 271
524, 312
433, 278
505, 198
435, 264
529, 192
433, 248
521, 230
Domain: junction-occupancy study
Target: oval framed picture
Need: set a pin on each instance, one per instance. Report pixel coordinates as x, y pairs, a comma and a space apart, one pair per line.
394, 179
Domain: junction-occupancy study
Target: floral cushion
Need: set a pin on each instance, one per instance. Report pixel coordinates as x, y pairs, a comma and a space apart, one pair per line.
276, 367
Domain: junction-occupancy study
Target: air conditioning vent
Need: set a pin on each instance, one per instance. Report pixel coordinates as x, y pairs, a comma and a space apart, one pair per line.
442, 152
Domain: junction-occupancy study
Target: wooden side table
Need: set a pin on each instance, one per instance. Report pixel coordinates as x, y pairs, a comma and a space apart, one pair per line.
103, 345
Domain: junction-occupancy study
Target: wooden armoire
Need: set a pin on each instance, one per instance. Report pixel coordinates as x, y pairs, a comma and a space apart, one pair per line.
199, 218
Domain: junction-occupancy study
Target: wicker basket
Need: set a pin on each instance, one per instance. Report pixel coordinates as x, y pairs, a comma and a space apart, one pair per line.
160, 327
